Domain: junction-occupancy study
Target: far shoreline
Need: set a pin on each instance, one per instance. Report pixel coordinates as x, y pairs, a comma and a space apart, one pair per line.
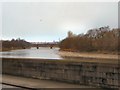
9, 49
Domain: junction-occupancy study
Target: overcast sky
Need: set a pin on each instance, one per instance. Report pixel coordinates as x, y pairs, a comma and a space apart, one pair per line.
49, 21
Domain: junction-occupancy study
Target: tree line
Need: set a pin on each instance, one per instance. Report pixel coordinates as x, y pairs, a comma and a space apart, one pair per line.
100, 39
14, 44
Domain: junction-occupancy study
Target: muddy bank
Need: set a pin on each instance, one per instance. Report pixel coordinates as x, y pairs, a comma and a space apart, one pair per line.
87, 55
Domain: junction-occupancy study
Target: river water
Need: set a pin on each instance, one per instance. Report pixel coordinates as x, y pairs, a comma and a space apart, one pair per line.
42, 52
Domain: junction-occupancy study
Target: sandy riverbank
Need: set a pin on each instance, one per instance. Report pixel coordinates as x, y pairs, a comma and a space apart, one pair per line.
87, 55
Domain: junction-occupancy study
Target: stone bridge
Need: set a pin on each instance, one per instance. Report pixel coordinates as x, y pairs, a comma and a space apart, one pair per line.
96, 74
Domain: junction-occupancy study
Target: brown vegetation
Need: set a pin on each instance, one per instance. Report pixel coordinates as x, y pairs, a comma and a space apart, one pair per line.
14, 44
102, 39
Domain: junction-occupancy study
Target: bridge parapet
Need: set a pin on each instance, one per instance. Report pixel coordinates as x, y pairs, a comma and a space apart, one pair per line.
87, 73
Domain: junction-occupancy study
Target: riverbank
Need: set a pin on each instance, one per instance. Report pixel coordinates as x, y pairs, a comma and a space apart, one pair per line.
9, 49
87, 55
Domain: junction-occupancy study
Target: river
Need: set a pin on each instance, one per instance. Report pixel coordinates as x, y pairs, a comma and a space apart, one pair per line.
42, 52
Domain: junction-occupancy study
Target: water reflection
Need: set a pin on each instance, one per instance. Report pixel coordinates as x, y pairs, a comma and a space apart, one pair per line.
42, 52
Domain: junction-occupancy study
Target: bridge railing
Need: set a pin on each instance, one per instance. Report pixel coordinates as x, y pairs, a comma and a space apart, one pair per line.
87, 73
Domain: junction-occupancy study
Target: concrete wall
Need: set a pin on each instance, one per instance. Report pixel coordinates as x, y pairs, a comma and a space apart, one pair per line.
94, 74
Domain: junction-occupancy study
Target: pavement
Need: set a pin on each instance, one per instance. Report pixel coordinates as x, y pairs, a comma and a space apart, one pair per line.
30, 83
8, 86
